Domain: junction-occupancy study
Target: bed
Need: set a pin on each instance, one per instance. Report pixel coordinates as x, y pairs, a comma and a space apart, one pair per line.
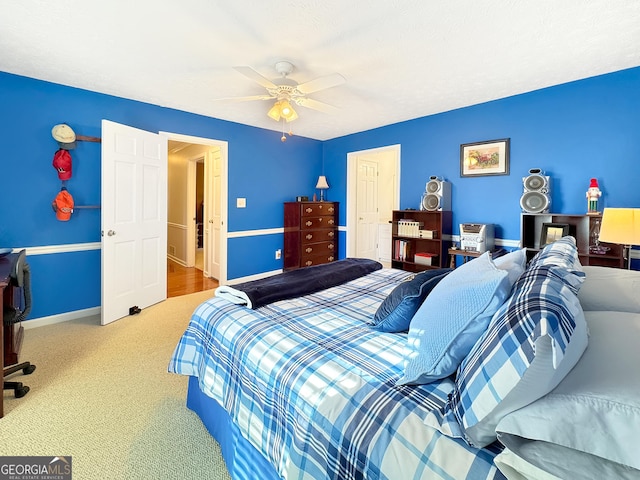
342, 382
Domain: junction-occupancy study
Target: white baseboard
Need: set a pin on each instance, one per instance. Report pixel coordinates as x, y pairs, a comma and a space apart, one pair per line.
253, 277
177, 260
62, 317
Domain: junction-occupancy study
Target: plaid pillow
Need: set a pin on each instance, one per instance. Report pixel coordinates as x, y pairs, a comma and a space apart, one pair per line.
561, 253
532, 342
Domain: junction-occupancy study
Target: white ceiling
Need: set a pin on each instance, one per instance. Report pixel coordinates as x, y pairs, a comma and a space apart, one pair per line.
402, 59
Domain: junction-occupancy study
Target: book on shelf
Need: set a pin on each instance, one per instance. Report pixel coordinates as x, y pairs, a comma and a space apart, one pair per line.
402, 251
408, 227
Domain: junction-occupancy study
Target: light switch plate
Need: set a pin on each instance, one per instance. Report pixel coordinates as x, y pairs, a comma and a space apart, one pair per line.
241, 202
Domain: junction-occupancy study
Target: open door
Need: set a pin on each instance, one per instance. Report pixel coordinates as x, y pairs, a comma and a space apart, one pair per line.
134, 220
213, 212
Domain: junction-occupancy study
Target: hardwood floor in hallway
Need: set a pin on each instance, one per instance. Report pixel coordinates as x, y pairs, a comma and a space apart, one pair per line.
182, 280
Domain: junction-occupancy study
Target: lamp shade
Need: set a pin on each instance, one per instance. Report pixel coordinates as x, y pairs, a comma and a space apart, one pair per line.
621, 226
322, 183
282, 109
287, 111
274, 112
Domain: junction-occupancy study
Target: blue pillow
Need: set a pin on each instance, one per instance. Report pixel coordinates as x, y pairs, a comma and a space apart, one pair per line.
396, 311
452, 319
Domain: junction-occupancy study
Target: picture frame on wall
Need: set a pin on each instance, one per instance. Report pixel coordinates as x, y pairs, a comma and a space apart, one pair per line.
552, 232
484, 158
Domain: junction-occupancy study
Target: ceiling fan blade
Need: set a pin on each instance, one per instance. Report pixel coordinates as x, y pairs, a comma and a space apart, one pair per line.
316, 105
255, 76
244, 99
321, 83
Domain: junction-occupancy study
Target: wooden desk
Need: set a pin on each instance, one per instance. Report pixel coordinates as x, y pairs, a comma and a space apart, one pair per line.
466, 256
5, 270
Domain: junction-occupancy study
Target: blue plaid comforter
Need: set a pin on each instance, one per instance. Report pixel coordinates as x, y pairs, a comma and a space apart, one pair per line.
312, 387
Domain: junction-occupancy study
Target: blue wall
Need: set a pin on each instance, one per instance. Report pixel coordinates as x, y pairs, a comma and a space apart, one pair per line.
65, 282
575, 131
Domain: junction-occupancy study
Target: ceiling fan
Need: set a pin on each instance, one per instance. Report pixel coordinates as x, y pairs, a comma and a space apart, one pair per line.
286, 91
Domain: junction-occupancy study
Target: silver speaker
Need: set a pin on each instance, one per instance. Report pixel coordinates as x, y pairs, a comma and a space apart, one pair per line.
536, 196
437, 195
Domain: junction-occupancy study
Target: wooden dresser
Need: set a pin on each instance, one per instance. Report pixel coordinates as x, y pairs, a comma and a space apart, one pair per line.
310, 233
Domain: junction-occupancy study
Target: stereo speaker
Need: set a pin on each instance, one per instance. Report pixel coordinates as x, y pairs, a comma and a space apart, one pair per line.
437, 195
536, 196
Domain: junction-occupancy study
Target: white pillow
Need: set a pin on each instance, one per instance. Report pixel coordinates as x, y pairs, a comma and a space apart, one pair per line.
513, 262
452, 319
596, 408
614, 289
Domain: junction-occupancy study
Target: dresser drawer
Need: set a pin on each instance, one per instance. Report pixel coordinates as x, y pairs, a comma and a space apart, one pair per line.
309, 260
313, 236
315, 209
318, 248
312, 223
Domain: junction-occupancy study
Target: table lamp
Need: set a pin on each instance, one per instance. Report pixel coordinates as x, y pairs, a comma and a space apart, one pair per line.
322, 185
621, 226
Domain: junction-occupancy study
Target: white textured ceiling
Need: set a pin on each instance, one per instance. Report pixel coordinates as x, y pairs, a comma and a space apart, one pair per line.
402, 59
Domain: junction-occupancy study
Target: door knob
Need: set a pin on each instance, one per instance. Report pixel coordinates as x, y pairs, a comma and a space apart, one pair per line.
111, 233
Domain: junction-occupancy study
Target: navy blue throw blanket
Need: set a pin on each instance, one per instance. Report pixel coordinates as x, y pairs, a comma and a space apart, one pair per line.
296, 283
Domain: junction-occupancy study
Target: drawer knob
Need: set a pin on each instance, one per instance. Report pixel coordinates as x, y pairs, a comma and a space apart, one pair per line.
330, 258
309, 236
330, 209
330, 234
330, 221
309, 210
309, 223
330, 246
309, 250
308, 263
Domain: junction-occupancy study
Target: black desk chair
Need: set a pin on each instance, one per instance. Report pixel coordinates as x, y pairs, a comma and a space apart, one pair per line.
20, 277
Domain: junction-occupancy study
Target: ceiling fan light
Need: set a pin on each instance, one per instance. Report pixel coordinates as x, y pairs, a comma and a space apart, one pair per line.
275, 111
287, 111
291, 117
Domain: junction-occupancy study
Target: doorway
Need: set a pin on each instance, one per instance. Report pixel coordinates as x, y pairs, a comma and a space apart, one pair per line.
196, 220
373, 192
183, 280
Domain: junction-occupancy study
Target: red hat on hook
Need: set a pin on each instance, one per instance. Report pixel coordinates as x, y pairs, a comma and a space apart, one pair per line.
62, 163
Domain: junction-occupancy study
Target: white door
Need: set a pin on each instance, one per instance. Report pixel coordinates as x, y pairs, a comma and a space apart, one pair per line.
213, 212
367, 209
191, 237
388, 191
134, 219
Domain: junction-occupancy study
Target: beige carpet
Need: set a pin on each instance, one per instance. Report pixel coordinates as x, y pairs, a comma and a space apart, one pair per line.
102, 394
